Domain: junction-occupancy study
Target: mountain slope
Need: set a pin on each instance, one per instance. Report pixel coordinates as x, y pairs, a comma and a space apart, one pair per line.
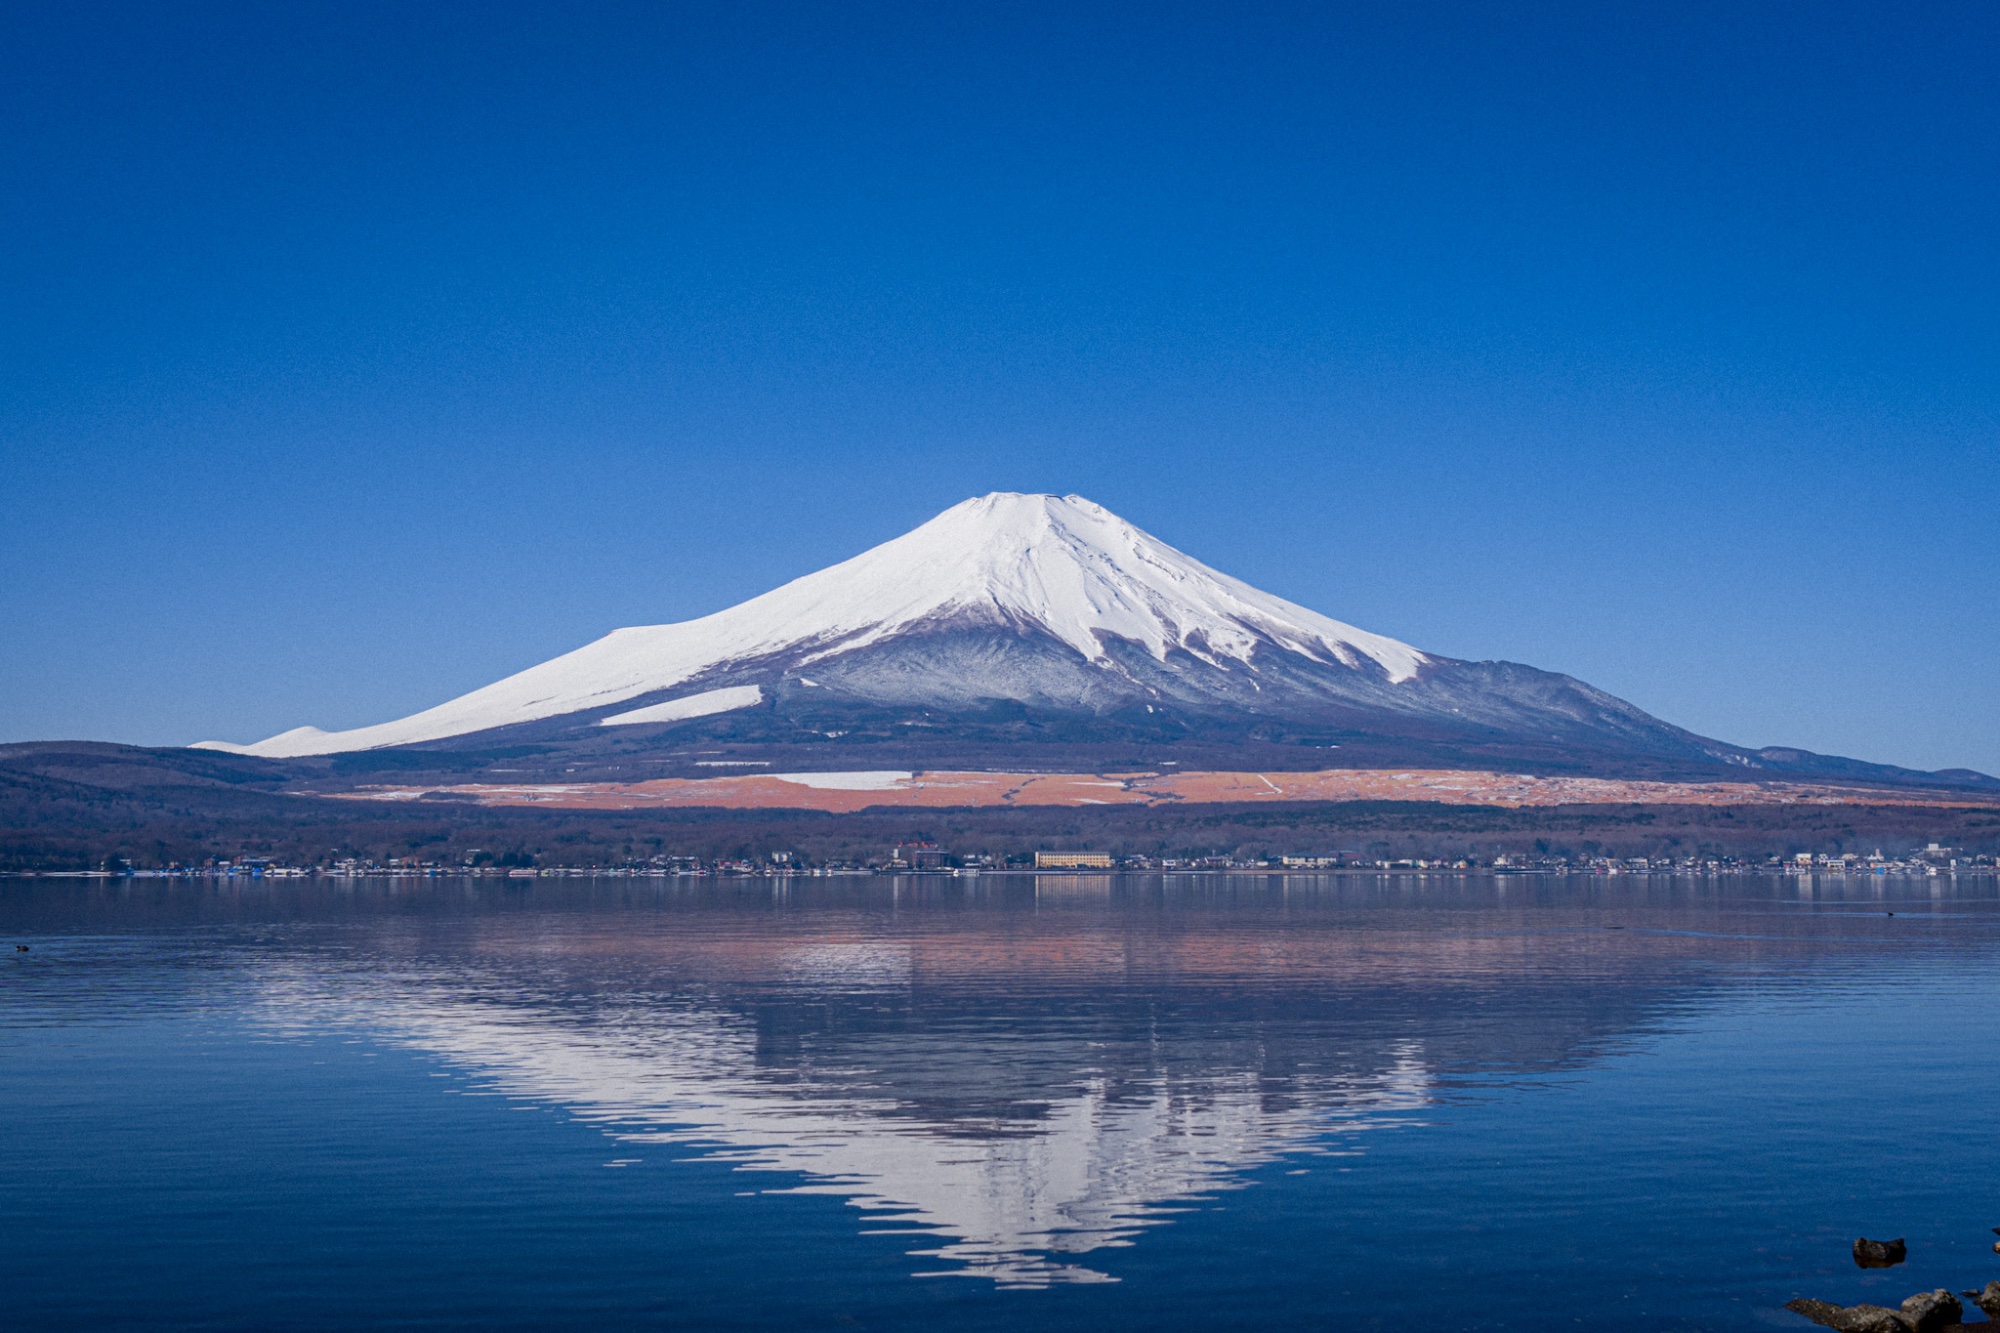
1036, 628
1059, 567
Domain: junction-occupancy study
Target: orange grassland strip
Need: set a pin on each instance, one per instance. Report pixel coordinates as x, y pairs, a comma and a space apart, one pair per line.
961, 789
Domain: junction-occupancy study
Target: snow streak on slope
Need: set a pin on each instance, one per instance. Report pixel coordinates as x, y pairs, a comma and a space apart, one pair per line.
706, 704
1058, 564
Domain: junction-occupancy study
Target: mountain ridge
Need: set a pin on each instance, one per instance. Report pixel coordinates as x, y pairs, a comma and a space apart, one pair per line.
1059, 566
1011, 623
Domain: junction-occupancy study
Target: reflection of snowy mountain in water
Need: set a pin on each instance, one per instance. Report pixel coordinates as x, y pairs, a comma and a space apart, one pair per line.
1019, 1074
1013, 1196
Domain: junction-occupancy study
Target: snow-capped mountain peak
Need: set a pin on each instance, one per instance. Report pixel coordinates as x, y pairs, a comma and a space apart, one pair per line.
1069, 567
1059, 566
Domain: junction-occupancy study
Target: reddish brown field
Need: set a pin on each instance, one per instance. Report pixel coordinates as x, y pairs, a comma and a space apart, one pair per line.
845, 792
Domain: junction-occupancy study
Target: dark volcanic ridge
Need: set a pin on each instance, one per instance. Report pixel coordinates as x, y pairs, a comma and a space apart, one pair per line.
1490, 716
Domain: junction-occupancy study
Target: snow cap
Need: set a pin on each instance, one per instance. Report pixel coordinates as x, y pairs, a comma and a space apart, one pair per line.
1055, 564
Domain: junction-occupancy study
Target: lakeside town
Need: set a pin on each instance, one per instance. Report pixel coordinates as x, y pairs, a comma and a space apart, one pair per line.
928, 859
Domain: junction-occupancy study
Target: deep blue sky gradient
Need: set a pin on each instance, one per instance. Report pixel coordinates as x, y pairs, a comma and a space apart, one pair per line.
353, 356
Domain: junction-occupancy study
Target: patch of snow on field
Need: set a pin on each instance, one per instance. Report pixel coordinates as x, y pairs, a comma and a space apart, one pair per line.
877, 780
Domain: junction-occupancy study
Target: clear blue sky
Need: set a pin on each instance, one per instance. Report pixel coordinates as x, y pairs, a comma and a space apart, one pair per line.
352, 356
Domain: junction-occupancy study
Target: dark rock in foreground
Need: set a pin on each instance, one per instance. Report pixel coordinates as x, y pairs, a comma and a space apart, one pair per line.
1880, 1253
1850, 1318
1925, 1312
1987, 1299
1928, 1311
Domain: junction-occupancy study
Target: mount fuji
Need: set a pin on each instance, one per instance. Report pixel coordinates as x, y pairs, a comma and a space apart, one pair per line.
1014, 628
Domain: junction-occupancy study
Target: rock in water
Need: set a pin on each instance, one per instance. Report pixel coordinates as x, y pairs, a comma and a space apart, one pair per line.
1987, 1299
1880, 1253
1928, 1311
1850, 1318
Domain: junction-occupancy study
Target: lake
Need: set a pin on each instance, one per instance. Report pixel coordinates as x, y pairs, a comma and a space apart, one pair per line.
1003, 1102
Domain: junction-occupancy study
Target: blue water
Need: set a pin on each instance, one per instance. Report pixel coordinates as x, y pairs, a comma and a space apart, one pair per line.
1099, 1103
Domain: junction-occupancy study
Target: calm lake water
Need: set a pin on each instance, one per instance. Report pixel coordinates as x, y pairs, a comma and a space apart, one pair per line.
1091, 1103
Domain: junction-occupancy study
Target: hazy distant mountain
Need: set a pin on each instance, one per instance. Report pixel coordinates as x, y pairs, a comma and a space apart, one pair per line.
1017, 621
